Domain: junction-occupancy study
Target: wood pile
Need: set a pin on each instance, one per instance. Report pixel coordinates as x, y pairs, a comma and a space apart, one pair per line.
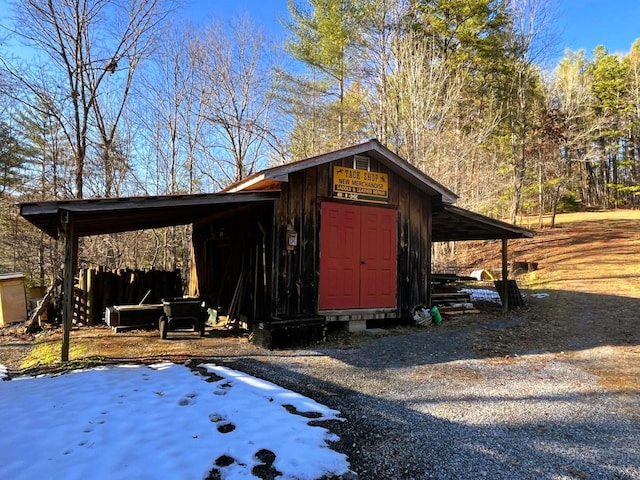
99, 288
449, 300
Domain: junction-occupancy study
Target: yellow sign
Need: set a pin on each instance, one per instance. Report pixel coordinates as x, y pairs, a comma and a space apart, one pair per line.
362, 185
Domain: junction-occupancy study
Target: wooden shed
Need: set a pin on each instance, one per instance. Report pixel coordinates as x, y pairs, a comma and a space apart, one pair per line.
345, 236
13, 298
348, 238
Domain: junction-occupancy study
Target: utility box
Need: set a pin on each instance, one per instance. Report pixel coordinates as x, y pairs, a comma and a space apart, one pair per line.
13, 299
122, 317
294, 331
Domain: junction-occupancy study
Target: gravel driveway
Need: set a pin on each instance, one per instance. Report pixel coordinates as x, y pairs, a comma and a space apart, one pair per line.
527, 396
422, 405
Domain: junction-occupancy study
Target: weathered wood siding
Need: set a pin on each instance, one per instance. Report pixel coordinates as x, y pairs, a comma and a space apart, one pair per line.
295, 273
99, 288
228, 255
296, 269
414, 249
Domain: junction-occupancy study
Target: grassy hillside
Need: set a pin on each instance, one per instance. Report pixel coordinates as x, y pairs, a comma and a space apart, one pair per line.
589, 252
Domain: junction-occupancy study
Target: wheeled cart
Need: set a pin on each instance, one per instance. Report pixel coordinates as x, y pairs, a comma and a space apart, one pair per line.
180, 313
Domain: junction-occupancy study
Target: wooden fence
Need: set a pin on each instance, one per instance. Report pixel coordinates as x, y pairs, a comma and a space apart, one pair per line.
99, 288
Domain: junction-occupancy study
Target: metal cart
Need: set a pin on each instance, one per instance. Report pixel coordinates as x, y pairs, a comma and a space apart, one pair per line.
181, 313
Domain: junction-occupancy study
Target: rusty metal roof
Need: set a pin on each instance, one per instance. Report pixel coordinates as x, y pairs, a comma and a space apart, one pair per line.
451, 224
110, 215
266, 179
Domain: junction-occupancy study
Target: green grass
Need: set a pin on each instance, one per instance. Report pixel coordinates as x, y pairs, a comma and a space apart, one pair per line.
47, 352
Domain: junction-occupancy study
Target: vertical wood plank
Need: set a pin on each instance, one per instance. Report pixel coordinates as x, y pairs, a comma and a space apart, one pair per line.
324, 179
403, 247
70, 265
308, 243
278, 293
394, 194
82, 295
91, 295
293, 284
505, 276
425, 249
415, 249
428, 225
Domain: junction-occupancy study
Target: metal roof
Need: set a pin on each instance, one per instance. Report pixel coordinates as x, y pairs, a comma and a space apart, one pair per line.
453, 223
373, 148
110, 215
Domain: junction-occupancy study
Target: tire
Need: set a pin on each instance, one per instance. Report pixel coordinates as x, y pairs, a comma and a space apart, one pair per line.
163, 326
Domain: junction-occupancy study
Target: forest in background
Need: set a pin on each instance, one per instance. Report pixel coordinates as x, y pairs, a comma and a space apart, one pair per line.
108, 98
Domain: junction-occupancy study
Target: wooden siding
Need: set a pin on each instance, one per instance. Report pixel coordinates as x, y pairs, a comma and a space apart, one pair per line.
228, 256
293, 274
296, 271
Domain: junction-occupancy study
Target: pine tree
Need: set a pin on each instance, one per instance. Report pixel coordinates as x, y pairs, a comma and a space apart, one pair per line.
324, 37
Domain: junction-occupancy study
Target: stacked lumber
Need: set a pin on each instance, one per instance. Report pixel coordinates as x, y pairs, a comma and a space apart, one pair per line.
454, 303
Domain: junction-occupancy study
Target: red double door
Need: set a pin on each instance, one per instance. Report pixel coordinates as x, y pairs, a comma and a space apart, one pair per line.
358, 252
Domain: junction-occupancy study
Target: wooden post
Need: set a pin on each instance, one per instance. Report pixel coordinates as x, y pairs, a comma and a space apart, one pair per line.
70, 264
505, 279
429, 263
91, 297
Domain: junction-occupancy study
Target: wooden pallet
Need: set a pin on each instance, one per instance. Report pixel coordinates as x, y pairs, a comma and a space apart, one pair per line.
451, 297
458, 312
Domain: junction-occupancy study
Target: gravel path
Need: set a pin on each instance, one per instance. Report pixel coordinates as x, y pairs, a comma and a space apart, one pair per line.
422, 406
518, 397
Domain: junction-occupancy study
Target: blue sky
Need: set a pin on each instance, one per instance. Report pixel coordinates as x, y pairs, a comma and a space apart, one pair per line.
581, 23
589, 23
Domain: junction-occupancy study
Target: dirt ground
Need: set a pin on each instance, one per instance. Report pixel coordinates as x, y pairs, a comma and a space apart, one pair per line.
588, 273
589, 265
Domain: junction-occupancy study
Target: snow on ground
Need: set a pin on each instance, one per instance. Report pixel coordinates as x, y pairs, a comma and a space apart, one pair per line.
159, 421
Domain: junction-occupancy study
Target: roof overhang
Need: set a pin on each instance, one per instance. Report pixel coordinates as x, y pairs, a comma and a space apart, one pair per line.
269, 178
451, 224
123, 214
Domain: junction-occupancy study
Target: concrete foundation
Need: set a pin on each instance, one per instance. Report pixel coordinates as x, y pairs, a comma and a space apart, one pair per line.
357, 326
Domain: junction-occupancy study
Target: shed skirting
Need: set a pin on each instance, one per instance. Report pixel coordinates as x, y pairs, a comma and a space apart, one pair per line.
359, 314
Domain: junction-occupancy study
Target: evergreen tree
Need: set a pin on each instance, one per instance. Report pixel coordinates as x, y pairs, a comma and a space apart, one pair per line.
13, 157
325, 35
611, 105
632, 61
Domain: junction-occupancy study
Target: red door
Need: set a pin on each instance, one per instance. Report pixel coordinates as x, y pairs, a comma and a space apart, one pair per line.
357, 257
378, 253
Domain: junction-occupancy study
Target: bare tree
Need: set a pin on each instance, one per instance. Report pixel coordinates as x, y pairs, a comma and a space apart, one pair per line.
426, 92
237, 66
374, 62
170, 110
92, 49
570, 128
533, 38
430, 120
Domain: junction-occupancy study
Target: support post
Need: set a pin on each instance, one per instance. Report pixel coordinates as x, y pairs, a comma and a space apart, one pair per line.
505, 277
70, 264
429, 278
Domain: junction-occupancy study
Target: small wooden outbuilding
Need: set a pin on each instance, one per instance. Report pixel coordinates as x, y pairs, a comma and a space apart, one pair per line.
345, 235
13, 298
348, 238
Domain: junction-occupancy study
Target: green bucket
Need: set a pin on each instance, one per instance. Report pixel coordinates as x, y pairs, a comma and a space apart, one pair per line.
435, 315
